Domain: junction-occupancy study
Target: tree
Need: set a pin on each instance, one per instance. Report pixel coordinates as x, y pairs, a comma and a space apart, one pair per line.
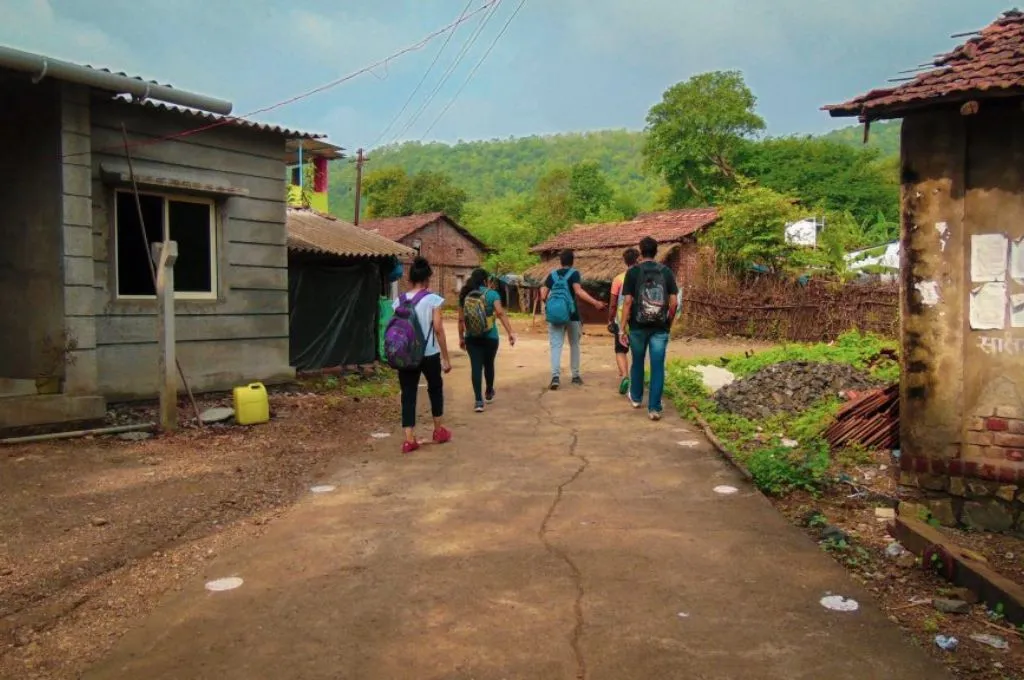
550, 209
391, 192
694, 133
589, 191
751, 229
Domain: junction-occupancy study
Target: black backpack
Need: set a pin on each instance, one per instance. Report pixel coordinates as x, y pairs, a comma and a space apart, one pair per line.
652, 297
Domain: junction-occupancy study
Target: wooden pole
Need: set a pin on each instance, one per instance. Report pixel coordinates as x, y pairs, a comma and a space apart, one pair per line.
165, 254
149, 259
360, 161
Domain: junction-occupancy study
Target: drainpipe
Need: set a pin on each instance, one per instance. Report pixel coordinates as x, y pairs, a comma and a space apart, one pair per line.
41, 67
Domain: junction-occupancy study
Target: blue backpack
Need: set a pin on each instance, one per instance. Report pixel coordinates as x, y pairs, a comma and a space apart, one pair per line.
560, 305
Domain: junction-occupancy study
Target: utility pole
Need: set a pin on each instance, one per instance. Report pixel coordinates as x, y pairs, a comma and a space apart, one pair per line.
360, 160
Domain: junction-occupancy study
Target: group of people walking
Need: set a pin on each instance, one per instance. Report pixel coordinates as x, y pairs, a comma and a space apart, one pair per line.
644, 302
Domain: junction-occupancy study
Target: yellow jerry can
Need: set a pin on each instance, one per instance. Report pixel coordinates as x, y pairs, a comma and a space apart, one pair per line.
252, 405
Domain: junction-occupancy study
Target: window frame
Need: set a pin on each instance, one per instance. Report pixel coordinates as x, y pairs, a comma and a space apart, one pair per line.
205, 296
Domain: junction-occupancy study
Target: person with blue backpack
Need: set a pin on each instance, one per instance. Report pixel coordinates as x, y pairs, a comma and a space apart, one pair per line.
562, 288
415, 345
480, 308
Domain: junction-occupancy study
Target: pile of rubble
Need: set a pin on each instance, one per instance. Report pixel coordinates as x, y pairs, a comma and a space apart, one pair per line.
790, 386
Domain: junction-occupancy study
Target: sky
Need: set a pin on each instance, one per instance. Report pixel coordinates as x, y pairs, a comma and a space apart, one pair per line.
560, 66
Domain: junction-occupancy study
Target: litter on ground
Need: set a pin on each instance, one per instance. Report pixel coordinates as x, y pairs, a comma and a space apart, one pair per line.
222, 584
838, 603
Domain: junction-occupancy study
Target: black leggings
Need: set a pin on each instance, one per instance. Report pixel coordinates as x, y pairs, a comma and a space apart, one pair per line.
482, 352
409, 380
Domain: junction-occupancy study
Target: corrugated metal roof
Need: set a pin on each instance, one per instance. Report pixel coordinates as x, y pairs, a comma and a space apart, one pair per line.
990, 64
312, 232
663, 227
208, 117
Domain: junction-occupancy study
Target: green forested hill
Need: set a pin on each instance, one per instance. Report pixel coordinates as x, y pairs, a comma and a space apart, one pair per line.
488, 170
884, 136
503, 168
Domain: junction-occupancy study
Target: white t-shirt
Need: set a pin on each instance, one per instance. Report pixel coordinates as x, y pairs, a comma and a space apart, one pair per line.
425, 313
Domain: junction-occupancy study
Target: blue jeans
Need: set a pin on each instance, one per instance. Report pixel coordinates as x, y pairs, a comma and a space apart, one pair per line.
556, 338
640, 340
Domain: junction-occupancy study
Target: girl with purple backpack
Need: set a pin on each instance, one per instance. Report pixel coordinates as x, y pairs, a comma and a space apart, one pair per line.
426, 355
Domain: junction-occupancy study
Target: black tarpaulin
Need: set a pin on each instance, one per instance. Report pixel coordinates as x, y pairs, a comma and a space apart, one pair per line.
333, 314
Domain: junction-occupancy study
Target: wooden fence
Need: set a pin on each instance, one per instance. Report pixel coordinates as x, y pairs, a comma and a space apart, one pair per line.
767, 308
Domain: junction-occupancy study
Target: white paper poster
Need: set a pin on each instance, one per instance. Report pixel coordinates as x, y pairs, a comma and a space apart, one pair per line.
1017, 311
988, 307
1017, 260
988, 257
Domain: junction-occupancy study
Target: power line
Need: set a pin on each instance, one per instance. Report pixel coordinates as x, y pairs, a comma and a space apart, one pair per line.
448, 73
422, 80
228, 120
475, 68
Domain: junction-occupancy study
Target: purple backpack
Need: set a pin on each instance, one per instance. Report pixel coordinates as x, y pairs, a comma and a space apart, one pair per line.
404, 340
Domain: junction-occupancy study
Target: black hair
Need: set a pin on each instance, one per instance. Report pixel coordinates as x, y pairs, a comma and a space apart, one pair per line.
477, 278
420, 272
648, 247
567, 257
630, 256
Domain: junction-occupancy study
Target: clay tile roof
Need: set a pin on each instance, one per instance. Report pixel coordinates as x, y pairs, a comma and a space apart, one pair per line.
991, 63
398, 228
312, 232
663, 227
597, 266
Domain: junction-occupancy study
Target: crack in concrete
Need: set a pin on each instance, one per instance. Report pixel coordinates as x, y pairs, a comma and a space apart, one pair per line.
576, 637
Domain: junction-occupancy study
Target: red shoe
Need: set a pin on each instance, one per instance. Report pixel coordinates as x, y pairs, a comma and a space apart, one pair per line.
442, 435
409, 447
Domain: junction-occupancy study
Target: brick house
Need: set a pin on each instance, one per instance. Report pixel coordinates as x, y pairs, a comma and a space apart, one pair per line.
962, 275
453, 252
599, 248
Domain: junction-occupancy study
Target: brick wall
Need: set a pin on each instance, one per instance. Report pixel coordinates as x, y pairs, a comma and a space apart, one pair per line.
452, 256
998, 438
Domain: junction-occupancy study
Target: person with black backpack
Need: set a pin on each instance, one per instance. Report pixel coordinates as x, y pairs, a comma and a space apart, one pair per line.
561, 289
651, 300
479, 308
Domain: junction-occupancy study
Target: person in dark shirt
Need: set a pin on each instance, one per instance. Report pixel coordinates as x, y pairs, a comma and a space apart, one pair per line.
651, 300
557, 333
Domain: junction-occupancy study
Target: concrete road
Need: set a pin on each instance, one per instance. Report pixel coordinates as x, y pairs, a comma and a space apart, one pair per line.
560, 535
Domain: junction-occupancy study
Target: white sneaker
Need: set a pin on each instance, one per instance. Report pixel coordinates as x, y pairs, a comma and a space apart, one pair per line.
655, 415
634, 404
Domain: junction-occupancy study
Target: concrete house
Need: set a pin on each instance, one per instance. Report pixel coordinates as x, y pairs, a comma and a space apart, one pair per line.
453, 252
77, 309
962, 274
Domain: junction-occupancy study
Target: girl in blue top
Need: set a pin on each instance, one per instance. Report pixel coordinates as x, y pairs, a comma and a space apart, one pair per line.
483, 349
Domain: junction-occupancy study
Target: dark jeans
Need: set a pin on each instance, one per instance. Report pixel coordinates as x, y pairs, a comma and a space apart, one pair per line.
640, 341
409, 380
482, 352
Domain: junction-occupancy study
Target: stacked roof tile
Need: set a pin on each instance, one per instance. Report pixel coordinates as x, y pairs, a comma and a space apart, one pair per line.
663, 227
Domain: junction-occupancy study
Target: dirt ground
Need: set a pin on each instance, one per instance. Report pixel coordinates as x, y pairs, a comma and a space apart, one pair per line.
905, 591
94, 532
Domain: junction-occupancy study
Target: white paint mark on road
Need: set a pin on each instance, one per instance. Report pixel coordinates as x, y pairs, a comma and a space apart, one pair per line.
689, 443
683, 615
223, 584
380, 435
838, 603
726, 490
323, 488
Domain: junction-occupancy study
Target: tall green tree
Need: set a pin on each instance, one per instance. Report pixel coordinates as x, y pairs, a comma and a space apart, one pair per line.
391, 192
695, 133
590, 194
751, 229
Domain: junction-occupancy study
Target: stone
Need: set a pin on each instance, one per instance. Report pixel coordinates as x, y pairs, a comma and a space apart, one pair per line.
134, 436
990, 515
1007, 493
942, 510
835, 534
99, 521
217, 415
957, 486
1009, 412
965, 594
714, 377
908, 478
931, 482
977, 489
885, 513
951, 606
906, 561
913, 511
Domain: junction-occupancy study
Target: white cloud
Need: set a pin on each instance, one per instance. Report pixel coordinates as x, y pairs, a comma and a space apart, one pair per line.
33, 25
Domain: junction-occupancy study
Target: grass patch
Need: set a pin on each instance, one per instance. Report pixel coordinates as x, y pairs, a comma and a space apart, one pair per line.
779, 469
383, 383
